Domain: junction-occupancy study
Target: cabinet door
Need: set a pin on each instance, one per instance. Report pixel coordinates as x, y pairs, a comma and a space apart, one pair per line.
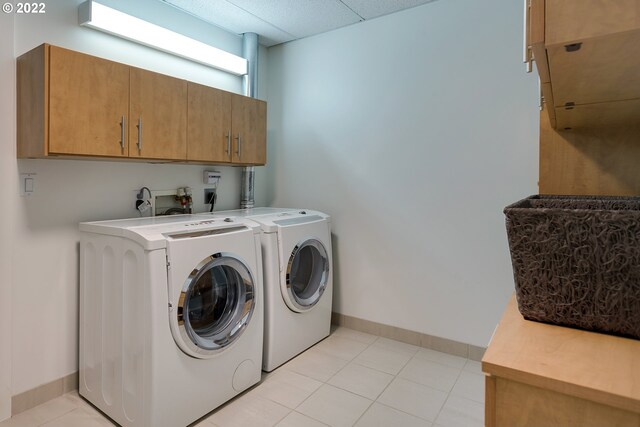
88, 102
249, 119
209, 124
569, 21
158, 116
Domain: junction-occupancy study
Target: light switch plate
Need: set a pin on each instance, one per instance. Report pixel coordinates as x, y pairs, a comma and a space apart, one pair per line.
27, 184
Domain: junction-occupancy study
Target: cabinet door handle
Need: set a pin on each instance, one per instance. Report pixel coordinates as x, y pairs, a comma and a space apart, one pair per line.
122, 126
541, 103
139, 126
239, 142
527, 49
228, 151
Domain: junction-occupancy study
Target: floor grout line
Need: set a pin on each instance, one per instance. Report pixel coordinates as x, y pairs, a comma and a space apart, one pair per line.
348, 342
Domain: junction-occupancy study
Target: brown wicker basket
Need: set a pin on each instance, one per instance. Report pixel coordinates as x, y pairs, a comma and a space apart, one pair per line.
576, 261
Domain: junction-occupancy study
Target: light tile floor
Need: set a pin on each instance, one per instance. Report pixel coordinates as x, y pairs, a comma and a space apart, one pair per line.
349, 379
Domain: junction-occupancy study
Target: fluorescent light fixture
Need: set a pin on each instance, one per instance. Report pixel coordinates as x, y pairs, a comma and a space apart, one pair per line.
100, 17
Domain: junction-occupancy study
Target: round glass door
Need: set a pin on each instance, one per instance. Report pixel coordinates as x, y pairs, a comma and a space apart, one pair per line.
307, 275
216, 303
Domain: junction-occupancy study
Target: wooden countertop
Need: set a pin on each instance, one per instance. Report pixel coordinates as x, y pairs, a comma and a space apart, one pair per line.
589, 365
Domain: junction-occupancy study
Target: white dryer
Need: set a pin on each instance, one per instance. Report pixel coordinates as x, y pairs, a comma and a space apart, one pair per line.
171, 316
298, 279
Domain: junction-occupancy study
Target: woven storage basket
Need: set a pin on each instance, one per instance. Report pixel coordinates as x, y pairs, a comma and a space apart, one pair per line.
576, 261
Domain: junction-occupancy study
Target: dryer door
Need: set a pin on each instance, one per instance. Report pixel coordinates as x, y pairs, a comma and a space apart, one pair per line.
306, 275
216, 304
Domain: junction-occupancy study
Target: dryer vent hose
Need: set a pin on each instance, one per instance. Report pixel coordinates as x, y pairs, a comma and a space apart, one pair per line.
247, 200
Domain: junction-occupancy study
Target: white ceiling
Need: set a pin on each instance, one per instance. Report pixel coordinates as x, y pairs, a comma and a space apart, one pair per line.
279, 21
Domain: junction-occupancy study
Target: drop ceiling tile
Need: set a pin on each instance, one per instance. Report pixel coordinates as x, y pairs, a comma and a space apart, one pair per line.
301, 18
373, 8
279, 21
232, 18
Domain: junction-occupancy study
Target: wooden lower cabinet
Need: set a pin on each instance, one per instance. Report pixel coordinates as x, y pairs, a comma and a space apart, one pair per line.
543, 375
514, 404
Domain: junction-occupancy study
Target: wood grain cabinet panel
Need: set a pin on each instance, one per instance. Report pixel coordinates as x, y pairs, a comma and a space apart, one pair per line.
71, 104
209, 124
88, 99
522, 405
546, 375
573, 20
32, 93
76, 105
249, 130
158, 116
588, 56
225, 128
604, 69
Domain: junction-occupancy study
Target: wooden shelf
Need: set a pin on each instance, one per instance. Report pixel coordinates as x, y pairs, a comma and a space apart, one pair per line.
606, 68
587, 53
598, 115
575, 377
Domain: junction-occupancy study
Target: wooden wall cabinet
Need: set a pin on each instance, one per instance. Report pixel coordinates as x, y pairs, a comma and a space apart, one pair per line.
71, 104
225, 127
249, 130
209, 124
588, 57
157, 116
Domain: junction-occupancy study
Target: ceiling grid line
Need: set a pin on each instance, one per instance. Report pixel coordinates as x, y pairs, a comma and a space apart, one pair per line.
257, 17
280, 21
347, 6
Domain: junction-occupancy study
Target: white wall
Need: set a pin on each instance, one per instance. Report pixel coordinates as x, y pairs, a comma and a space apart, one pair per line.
7, 166
413, 131
420, 119
45, 276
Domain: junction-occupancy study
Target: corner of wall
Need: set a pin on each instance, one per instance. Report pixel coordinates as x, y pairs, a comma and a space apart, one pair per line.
8, 170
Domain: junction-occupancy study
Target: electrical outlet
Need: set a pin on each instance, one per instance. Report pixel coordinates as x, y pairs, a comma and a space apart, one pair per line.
208, 193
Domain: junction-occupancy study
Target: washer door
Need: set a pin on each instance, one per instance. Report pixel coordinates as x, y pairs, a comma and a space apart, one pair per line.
216, 304
306, 276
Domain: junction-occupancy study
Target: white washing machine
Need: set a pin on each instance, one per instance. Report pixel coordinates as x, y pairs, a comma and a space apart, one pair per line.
171, 316
297, 262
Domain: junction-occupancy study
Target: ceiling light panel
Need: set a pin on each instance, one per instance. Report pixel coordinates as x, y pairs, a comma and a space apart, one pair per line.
100, 17
301, 18
232, 18
373, 8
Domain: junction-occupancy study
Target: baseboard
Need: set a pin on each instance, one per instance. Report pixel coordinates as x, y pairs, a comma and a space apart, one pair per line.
41, 394
410, 337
